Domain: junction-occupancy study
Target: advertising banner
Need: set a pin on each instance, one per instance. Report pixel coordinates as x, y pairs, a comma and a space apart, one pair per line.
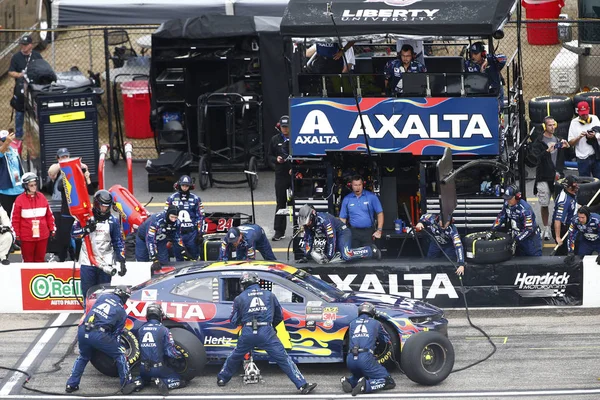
420, 126
534, 281
50, 289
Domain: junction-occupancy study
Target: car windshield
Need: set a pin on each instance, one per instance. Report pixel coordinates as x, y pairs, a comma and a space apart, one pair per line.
316, 286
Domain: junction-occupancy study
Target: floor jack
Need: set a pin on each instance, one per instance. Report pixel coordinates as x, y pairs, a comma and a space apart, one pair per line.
251, 371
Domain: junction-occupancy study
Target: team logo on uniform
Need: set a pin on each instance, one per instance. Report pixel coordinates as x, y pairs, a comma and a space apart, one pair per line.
360, 331
257, 305
396, 3
232, 235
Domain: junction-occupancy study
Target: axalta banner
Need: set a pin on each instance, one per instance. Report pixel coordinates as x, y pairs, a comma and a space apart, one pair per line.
55, 289
421, 126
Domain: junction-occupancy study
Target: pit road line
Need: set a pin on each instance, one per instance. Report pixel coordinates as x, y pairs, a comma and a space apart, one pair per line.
33, 354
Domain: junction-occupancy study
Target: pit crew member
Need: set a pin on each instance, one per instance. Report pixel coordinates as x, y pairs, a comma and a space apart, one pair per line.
246, 240
258, 311
490, 64
191, 214
368, 375
99, 330
446, 236
565, 209
338, 237
527, 240
587, 224
405, 63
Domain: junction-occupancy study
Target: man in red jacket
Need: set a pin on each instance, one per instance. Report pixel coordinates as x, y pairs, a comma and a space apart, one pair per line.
32, 220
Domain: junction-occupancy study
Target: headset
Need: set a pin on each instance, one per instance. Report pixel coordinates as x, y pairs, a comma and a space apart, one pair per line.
517, 191
546, 118
585, 121
483, 52
177, 185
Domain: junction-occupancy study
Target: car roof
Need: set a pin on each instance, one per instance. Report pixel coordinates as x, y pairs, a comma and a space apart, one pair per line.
226, 266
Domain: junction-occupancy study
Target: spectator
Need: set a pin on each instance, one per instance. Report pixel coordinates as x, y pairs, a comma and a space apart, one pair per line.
447, 239
11, 171
491, 65
520, 218
32, 220
405, 63
245, 240
581, 127
549, 152
6, 237
191, 215
279, 154
565, 209
587, 224
359, 210
18, 65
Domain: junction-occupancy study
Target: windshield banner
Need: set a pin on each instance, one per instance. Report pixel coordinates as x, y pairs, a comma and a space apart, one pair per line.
420, 126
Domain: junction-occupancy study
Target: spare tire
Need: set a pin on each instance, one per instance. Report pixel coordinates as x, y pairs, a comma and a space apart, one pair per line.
195, 360
427, 357
559, 107
478, 250
592, 98
561, 132
107, 366
588, 186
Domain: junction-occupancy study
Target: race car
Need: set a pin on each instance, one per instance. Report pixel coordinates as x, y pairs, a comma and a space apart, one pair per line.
197, 301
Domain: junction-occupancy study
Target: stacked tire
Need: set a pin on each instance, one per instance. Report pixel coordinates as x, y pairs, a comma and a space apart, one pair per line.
479, 250
561, 108
588, 186
592, 98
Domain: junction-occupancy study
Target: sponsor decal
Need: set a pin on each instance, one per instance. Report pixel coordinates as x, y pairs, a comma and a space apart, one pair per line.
148, 294
185, 312
217, 341
44, 289
390, 15
547, 285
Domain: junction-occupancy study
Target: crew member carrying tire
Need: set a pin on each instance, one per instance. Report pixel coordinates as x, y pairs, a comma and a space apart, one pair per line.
258, 311
447, 238
368, 375
246, 240
156, 342
565, 209
587, 224
191, 215
337, 234
525, 231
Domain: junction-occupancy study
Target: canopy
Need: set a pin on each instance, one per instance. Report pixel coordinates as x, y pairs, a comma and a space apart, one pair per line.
312, 18
154, 12
216, 26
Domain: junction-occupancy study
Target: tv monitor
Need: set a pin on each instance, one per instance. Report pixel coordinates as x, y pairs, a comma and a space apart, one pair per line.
444, 64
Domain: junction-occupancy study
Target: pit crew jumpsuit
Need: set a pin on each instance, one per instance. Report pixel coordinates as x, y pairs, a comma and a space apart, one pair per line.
100, 330
495, 64
523, 228
590, 239
338, 238
261, 308
253, 238
191, 216
152, 238
107, 242
448, 239
364, 332
393, 71
156, 342
565, 209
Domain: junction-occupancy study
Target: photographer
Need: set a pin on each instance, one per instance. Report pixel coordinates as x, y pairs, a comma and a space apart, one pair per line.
585, 150
550, 155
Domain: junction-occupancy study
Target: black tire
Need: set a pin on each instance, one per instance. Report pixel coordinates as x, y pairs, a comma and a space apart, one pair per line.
559, 107
203, 173
45, 23
588, 186
107, 366
387, 353
193, 365
253, 167
592, 98
478, 250
561, 132
427, 357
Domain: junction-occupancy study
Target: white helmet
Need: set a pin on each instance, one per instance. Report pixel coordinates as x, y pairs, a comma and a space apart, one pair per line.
28, 177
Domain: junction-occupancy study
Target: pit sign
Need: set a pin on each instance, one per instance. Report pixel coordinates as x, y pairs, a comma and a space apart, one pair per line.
50, 289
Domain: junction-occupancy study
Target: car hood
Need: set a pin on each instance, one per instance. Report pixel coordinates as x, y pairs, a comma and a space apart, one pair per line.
394, 304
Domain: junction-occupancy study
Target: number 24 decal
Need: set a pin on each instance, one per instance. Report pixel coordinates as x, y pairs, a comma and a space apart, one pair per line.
224, 224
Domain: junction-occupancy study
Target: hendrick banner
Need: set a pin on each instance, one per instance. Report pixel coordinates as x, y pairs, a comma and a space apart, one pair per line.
50, 289
531, 281
421, 126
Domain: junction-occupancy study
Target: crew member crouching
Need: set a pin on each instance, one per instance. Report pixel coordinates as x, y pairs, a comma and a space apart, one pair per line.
588, 225
245, 240
367, 374
447, 238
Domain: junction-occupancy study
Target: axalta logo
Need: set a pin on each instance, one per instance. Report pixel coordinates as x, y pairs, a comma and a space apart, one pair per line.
547, 281
188, 312
378, 126
50, 287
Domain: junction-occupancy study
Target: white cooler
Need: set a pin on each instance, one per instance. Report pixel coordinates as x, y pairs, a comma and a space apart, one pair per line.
564, 73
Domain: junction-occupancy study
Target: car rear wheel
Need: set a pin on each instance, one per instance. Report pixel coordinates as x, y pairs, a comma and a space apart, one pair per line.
388, 354
195, 359
427, 357
107, 366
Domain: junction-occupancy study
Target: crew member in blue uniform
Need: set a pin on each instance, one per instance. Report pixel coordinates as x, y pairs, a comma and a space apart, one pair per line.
368, 375
246, 240
338, 237
100, 330
446, 236
565, 209
258, 312
527, 239
490, 64
106, 236
405, 63
587, 224
191, 215
153, 235
156, 342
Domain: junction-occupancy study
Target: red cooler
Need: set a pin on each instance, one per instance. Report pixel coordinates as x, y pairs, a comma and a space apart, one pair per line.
136, 109
542, 33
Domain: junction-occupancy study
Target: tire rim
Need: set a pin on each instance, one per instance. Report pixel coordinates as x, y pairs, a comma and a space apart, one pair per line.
433, 358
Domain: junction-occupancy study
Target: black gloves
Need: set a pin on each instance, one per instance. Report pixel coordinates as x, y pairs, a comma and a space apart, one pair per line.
155, 266
122, 269
570, 258
303, 260
489, 235
4, 229
186, 256
89, 228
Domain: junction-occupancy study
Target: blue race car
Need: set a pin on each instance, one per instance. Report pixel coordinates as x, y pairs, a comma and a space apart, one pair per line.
198, 300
